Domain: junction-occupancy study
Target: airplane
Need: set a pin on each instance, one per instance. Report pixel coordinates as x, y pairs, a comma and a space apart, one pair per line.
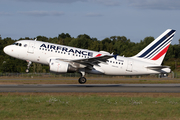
65, 59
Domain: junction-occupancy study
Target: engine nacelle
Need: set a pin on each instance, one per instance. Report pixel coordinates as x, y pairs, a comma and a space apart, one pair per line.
60, 66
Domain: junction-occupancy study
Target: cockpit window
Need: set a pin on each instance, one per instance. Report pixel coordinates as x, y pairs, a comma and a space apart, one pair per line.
17, 44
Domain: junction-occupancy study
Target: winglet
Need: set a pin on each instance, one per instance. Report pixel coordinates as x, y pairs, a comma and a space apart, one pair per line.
115, 56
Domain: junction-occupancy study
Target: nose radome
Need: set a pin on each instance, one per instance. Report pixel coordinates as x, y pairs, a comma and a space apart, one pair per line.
6, 49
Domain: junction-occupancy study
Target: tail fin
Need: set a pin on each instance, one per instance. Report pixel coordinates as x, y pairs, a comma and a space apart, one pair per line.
156, 50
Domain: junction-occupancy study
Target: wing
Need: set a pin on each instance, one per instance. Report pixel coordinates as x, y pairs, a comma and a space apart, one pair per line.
89, 62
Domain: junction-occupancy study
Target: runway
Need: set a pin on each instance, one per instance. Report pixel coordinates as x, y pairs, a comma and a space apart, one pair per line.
93, 88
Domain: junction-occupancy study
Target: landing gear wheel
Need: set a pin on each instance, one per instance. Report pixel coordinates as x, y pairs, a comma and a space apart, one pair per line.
82, 80
27, 70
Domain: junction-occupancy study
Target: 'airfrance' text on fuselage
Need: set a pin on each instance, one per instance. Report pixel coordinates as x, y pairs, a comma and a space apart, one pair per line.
65, 49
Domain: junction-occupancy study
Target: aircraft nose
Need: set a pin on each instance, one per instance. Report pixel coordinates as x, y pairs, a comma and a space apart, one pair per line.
6, 49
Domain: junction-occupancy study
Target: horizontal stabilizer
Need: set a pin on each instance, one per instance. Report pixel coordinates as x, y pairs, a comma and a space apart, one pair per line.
157, 67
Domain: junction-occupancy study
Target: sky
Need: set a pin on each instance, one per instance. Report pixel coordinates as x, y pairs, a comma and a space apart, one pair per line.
135, 19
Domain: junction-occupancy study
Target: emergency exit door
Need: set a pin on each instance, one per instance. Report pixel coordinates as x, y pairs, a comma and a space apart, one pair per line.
31, 47
129, 66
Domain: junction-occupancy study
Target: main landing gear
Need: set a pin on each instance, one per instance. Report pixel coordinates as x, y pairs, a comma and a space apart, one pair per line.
82, 79
29, 63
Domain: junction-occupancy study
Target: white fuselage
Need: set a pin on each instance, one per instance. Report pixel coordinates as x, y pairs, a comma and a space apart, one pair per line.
42, 52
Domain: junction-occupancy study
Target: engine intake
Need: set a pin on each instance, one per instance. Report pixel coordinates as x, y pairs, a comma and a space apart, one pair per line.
61, 67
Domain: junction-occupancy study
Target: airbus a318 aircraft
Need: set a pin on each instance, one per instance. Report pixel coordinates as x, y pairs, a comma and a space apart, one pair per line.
65, 59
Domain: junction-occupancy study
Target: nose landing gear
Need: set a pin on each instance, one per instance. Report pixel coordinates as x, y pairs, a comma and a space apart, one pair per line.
28, 66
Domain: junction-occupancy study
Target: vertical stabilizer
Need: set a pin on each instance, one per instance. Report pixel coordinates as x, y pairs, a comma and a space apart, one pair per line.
156, 50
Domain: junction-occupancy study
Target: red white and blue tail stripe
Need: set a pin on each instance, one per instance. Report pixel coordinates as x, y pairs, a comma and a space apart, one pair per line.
156, 50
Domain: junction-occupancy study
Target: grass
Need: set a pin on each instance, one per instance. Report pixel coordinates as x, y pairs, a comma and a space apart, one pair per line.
88, 107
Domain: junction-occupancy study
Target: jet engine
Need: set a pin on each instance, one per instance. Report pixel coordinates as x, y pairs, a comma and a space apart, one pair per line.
60, 66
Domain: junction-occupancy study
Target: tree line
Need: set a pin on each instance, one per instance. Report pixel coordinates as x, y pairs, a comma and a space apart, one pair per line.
115, 44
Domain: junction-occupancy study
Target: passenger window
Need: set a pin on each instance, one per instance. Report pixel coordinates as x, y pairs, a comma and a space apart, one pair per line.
25, 45
20, 44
